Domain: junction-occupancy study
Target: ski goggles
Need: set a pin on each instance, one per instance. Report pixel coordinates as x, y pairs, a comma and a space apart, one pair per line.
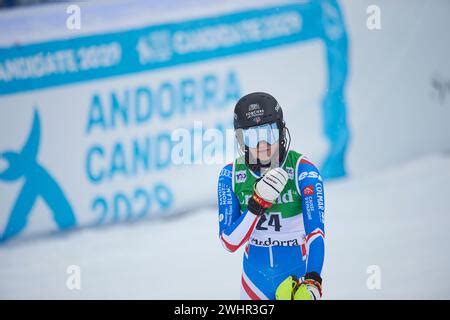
267, 132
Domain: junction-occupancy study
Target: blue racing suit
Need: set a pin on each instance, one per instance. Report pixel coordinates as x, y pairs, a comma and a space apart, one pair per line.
271, 254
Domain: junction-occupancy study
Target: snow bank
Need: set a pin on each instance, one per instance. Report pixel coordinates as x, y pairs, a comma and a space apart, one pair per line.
396, 219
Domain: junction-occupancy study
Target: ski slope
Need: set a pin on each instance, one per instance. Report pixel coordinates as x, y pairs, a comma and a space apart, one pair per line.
397, 219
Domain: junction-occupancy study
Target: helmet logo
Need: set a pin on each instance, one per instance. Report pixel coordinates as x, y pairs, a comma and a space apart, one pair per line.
254, 112
277, 108
253, 106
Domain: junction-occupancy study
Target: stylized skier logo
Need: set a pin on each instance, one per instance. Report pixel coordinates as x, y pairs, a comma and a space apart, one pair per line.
38, 182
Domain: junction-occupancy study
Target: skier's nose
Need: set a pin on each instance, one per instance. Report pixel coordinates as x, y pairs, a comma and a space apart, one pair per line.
263, 145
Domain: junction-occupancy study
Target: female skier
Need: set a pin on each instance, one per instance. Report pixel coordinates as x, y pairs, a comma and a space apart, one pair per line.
271, 199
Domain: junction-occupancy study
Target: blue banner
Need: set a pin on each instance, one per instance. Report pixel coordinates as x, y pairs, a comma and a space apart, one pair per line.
36, 66
119, 160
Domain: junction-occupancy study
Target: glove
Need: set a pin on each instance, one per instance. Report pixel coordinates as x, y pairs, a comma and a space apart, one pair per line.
266, 190
310, 288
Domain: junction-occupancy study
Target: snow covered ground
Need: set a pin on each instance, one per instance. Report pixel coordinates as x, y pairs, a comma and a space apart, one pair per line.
397, 219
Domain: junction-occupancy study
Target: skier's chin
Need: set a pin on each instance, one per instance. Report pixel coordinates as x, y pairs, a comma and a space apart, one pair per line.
269, 160
265, 160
